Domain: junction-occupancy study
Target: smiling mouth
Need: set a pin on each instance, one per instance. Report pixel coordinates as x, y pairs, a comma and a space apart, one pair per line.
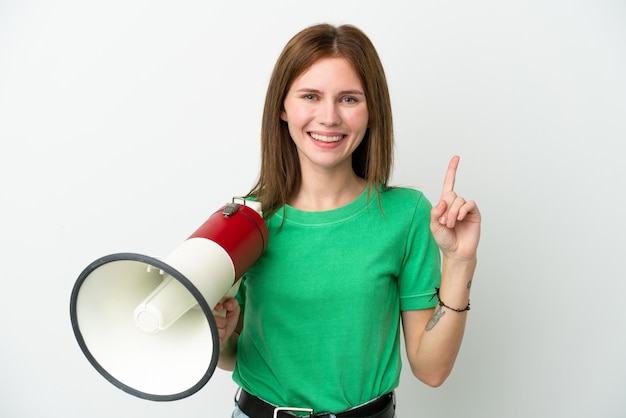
324, 138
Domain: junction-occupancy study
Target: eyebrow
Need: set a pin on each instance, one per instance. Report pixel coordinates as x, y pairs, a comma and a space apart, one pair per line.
311, 90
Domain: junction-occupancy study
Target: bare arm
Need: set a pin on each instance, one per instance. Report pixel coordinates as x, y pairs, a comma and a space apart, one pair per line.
433, 336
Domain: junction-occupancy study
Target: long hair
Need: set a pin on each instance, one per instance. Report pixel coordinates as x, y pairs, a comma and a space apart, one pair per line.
280, 175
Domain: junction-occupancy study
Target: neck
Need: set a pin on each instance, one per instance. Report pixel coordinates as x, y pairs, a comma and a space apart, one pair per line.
319, 191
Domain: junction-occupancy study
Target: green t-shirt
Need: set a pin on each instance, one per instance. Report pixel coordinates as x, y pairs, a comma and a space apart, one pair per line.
322, 304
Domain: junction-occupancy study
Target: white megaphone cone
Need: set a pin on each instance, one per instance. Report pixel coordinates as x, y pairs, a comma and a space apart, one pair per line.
146, 324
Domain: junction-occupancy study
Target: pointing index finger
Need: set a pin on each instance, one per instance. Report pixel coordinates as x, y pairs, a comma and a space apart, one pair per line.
448, 182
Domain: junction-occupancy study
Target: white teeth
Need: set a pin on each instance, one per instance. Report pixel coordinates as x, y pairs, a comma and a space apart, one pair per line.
324, 138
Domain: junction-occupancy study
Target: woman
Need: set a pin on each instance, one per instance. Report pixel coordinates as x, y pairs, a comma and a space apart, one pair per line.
351, 261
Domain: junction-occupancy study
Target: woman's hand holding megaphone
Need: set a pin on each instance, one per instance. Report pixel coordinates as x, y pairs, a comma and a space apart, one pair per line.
227, 316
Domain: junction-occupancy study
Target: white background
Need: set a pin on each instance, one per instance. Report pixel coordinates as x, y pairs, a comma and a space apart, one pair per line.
124, 124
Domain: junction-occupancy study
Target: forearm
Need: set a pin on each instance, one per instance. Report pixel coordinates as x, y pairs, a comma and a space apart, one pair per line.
434, 353
228, 353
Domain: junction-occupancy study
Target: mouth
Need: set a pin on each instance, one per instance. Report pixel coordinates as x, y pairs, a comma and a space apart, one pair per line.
327, 139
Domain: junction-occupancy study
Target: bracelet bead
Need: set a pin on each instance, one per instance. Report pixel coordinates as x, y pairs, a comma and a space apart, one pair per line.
441, 303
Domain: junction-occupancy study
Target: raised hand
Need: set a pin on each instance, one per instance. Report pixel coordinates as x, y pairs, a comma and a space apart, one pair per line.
455, 222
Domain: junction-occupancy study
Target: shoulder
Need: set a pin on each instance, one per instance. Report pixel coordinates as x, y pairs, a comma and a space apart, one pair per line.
403, 197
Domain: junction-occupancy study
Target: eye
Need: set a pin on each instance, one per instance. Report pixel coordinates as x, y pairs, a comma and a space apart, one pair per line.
309, 97
350, 100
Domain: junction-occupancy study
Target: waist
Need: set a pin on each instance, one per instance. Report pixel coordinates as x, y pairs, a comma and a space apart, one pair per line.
380, 407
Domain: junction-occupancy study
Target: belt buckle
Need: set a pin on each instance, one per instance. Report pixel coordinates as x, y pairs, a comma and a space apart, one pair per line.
288, 409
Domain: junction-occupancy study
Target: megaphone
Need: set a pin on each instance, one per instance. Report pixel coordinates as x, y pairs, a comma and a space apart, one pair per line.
146, 324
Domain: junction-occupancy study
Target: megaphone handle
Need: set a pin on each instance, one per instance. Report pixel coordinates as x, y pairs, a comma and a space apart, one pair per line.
230, 294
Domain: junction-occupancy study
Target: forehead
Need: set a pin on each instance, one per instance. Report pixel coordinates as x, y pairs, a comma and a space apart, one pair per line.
329, 72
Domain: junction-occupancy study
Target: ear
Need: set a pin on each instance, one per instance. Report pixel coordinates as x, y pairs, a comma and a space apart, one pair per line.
283, 116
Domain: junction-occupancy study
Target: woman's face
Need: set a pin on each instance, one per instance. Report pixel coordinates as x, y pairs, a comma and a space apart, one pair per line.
326, 112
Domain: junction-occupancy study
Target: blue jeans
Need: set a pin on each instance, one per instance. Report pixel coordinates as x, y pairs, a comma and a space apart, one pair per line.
238, 414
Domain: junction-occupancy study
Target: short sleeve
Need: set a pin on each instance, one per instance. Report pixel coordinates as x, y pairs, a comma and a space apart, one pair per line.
421, 267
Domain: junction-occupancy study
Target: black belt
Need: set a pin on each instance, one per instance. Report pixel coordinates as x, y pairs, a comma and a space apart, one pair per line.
381, 407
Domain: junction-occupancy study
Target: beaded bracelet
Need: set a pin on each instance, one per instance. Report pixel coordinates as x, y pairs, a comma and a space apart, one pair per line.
467, 308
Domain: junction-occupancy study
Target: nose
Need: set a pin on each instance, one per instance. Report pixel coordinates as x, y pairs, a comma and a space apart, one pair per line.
329, 113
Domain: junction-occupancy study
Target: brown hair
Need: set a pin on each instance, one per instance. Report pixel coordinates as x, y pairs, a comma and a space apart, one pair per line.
280, 173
